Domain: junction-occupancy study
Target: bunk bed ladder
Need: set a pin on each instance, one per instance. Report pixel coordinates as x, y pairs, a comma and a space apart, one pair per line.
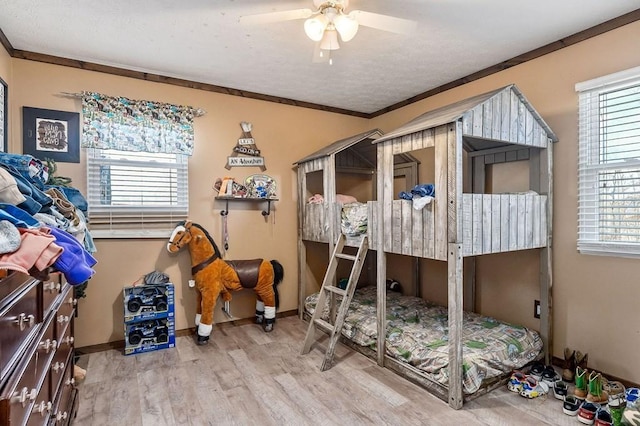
328, 293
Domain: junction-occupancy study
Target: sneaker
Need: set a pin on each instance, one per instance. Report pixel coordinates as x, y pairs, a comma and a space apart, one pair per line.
536, 370
587, 412
571, 405
515, 382
531, 388
549, 375
560, 390
632, 396
631, 417
614, 388
603, 418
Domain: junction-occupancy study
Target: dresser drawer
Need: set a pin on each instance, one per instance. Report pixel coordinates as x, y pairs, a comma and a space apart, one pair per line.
19, 395
12, 285
61, 359
50, 291
62, 407
45, 350
41, 410
66, 309
18, 324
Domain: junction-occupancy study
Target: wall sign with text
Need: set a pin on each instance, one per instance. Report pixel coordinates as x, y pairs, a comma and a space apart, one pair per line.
51, 134
246, 153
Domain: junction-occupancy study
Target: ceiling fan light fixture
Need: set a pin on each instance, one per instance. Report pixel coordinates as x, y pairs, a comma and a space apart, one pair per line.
347, 26
314, 27
330, 40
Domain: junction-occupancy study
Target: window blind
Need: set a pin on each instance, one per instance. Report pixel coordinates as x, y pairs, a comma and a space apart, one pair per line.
609, 165
136, 194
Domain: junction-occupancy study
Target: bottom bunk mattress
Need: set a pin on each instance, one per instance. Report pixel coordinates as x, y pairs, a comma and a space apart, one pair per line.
418, 332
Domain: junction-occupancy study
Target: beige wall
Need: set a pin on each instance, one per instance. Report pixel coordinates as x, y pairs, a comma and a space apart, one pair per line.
596, 299
284, 134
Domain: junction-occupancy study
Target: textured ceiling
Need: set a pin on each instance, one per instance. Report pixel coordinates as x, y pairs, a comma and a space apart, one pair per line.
202, 41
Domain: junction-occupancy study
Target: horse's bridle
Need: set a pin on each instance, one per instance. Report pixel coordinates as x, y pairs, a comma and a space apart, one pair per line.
179, 242
200, 266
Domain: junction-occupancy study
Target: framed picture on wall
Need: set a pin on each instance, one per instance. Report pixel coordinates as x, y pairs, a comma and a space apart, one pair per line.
4, 122
48, 133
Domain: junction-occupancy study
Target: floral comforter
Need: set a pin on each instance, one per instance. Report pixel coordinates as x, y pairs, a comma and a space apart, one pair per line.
417, 333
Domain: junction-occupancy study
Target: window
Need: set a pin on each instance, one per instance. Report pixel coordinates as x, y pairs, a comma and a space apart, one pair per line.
137, 150
609, 165
136, 194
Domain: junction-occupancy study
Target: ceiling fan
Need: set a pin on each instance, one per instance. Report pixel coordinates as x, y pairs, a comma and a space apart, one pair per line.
330, 20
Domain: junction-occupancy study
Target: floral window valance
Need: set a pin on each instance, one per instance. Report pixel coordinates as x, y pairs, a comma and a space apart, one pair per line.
135, 125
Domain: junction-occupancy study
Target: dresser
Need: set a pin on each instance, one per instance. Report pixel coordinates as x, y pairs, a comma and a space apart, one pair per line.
36, 351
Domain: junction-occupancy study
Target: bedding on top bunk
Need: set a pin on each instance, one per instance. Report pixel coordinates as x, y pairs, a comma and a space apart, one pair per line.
417, 334
353, 219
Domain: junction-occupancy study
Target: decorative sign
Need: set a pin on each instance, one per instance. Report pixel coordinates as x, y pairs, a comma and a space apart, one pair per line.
51, 134
246, 146
245, 161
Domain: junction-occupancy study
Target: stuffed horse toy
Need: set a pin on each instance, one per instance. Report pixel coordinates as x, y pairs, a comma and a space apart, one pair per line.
215, 276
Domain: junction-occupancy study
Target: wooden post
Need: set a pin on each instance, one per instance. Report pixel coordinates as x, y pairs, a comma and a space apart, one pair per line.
385, 198
455, 325
302, 249
546, 256
454, 259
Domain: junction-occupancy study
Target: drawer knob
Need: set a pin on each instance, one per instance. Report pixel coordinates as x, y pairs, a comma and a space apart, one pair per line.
63, 318
25, 320
47, 345
57, 366
61, 416
51, 287
72, 301
24, 395
68, 340
70, 382
43, 408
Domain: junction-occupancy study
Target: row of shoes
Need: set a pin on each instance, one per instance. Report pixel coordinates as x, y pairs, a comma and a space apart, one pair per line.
540, 380
621, 409
587, 401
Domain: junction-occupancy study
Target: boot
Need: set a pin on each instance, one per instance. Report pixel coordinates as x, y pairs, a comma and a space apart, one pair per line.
596, 393
568, 372
580, 391
581, 360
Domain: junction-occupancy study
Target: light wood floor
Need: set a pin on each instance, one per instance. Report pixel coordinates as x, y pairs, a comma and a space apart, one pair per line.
247, 377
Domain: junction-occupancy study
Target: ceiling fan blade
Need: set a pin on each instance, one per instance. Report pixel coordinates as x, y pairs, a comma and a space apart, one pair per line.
268, 18
384, 22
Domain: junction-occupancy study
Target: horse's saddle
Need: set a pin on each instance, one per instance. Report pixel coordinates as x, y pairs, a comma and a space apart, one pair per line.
247, 271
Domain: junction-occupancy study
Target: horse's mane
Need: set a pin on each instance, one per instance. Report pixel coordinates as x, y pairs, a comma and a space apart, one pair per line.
206, 233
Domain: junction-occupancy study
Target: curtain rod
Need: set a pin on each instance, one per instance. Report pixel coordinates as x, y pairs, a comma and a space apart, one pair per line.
199, 111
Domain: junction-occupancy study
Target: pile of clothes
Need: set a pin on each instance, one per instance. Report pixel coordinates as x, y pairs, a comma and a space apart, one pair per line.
42, 226
421, 195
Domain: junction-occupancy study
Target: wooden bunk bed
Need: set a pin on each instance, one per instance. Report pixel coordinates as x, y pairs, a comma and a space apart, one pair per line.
496, 127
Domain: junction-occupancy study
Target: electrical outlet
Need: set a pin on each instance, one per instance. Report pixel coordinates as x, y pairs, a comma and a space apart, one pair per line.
536, 309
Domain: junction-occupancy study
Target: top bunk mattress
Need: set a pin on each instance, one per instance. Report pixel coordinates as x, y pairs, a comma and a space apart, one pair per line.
418, 332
